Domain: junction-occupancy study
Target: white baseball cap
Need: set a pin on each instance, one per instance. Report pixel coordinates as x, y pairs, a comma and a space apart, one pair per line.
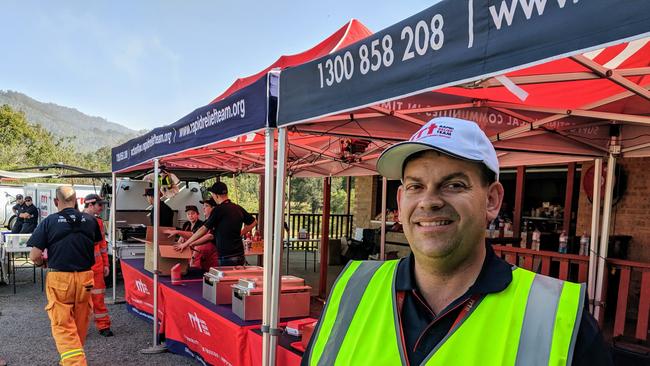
455, 137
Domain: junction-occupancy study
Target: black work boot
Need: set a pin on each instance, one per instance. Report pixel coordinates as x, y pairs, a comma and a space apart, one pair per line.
106, 332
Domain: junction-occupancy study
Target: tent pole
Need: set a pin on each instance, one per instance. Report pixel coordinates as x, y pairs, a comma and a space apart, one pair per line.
568, 199
382, 242
519, 201
269, 182
277, 242
604, 240
288, 217
113, 239
325, 237
595, 221
348, 191
156, 346
260, 205
234, 183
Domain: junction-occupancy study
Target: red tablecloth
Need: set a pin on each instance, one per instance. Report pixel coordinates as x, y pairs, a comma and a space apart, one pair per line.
138, 290
195, 327
285, 356
195, 330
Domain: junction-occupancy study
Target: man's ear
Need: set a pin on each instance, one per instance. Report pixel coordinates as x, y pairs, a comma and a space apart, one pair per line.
494, 199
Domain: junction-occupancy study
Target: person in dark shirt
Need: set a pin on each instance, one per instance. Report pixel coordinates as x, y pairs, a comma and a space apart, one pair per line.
69, 237
228, 222
29, 216
204, 250
166, 213
193, 222
18, 209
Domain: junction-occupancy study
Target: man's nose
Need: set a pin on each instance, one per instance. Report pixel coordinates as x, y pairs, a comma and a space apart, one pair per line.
431, 200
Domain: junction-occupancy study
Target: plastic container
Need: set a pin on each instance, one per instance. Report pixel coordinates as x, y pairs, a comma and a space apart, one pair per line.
562, 248
176, 274
537, 235
17, 240
584, 244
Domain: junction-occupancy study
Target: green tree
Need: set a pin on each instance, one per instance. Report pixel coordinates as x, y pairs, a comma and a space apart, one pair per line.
25, 144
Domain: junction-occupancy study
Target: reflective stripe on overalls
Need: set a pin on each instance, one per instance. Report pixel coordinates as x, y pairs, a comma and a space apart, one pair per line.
72, 353
534, 321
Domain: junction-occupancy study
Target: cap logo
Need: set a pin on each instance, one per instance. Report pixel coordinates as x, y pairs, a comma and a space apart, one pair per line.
433, 130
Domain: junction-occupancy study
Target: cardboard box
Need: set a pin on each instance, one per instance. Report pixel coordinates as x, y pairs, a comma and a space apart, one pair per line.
167, 255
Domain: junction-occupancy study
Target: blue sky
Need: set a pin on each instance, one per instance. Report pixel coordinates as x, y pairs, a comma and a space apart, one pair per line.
147, 63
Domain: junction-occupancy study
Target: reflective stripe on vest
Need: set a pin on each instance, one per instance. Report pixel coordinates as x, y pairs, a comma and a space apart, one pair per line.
534, 321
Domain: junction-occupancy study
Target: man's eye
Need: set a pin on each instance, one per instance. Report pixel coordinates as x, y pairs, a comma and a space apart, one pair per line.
456, 186
413, 187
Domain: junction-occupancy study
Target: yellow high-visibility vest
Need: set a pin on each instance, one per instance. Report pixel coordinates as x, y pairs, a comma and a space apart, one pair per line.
534, 321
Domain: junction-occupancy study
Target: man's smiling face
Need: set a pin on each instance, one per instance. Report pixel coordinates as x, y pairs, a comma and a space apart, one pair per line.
444, 205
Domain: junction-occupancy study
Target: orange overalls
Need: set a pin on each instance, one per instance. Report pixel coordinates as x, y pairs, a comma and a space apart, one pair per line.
102, 320
68, 294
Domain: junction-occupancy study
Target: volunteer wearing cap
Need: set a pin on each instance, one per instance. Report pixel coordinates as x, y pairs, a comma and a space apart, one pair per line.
166, 213
228, 222
453, 301
94, 205
193, 222
29, 215
69, 237
204, 251
18, 209
190, 226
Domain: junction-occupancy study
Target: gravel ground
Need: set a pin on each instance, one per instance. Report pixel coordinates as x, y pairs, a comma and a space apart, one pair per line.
25, 337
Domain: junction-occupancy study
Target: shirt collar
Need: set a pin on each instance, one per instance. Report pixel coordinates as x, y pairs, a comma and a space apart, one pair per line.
495, 275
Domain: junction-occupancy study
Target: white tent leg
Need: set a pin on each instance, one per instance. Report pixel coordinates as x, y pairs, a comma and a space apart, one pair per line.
156, 346
113, 240
288, 217
269, 191
595, 221
604, 238
277, 242
382, 242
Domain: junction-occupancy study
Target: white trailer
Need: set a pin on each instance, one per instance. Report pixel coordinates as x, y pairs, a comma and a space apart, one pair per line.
7, 201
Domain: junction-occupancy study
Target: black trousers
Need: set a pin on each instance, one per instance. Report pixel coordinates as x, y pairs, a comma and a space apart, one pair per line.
18, 225
27, 228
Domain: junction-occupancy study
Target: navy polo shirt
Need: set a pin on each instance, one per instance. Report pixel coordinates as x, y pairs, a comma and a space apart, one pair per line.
225, 223
69, 237
32, 210
20, 208
423, 329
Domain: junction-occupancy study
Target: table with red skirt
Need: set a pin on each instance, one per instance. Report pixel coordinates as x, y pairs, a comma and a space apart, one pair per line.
193, 326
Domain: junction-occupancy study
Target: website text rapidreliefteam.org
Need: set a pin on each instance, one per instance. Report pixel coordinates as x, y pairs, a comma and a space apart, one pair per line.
237, 109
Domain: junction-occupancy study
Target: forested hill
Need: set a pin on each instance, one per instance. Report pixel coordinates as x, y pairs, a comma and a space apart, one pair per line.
68, 122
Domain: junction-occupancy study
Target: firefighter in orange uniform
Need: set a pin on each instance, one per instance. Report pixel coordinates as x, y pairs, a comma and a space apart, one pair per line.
94, 205
69, 237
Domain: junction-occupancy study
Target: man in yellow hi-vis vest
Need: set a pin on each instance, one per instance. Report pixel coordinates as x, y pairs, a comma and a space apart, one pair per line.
452, 301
